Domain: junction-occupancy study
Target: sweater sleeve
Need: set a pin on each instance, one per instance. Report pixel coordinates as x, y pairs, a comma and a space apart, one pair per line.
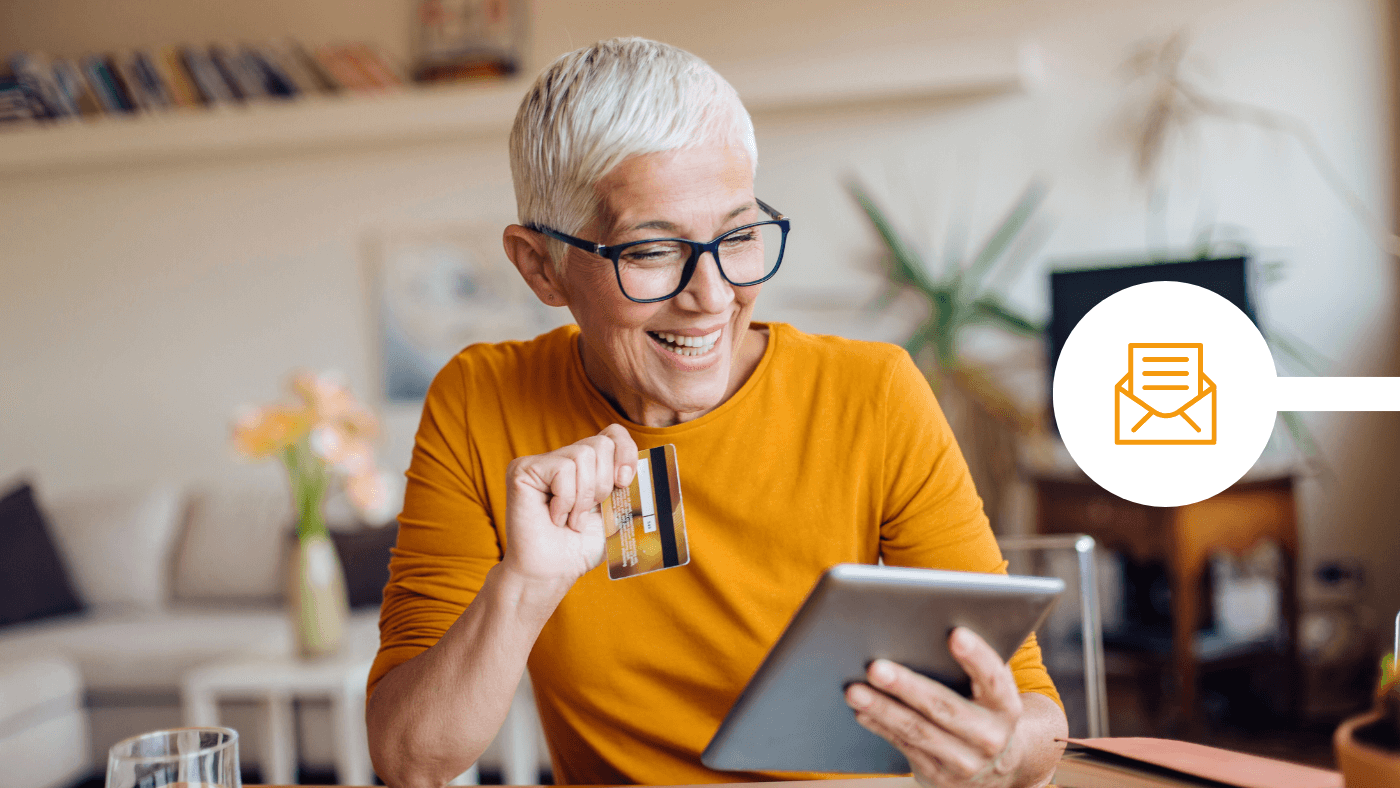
932, 514
447, 541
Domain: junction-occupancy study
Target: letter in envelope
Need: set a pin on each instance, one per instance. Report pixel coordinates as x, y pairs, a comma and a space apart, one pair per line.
1166, 398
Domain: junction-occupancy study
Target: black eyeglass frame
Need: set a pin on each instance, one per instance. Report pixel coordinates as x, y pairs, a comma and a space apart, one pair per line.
614, 253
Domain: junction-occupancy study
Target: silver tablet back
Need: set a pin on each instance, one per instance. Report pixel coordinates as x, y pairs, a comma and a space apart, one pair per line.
793, 716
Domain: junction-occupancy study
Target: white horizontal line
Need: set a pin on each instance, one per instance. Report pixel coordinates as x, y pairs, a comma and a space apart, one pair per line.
1337, 394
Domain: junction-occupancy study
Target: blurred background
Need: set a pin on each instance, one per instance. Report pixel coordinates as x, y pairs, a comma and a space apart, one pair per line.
227, 192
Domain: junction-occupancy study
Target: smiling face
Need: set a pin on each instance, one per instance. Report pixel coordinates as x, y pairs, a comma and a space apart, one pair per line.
678, 359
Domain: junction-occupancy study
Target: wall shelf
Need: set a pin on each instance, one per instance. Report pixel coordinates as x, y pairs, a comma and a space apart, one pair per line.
419, 115
318, 123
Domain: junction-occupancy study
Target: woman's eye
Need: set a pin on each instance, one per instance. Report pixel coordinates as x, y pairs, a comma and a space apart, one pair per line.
652, 254
746, 236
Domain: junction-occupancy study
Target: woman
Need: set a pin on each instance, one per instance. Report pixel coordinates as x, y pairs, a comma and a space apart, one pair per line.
797, 452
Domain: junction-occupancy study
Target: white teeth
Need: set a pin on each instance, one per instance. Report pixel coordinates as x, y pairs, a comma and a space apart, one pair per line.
688, 346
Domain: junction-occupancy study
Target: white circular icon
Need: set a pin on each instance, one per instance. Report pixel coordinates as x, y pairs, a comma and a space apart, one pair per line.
1164, 394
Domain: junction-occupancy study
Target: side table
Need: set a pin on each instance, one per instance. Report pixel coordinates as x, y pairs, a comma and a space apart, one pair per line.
275, 682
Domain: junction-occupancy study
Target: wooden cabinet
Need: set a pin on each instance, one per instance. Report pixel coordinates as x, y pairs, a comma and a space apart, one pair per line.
1184, 538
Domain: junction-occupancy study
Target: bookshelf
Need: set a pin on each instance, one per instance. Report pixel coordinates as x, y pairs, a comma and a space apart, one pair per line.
313, 123
442, 113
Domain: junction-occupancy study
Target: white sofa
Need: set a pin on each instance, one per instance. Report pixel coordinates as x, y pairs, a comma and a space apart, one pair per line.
173, 579
170, 581
43, 725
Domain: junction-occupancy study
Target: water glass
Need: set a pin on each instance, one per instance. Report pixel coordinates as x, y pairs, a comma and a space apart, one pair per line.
181, 758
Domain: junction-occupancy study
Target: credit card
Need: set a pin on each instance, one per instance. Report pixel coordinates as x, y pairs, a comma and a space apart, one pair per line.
646, 519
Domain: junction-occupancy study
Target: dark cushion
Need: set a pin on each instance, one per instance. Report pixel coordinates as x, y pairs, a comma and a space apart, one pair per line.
33, 581
364, 553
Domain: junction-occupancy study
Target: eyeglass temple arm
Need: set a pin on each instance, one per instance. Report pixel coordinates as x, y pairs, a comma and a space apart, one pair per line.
587, 246
770, 210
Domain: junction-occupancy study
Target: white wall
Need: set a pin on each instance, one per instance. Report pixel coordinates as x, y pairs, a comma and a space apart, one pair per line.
139, 307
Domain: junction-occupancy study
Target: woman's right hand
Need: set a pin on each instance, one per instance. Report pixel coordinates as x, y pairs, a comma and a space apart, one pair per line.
554, 524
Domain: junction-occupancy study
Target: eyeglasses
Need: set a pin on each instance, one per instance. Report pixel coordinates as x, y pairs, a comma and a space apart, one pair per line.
660, 268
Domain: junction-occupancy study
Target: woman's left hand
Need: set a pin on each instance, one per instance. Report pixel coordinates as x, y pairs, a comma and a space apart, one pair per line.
948, 739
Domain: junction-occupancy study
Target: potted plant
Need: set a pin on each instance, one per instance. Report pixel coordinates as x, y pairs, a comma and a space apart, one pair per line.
1368, 746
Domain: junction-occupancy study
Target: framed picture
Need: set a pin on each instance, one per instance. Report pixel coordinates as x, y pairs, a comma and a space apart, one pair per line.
437, 290
466, 39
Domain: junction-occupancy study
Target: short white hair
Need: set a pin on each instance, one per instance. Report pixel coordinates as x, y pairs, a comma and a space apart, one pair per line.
596, 106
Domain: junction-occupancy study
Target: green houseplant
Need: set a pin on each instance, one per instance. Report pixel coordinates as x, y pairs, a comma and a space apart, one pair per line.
986, 419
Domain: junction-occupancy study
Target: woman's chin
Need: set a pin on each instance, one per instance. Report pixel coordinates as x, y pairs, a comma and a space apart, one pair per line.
692, 388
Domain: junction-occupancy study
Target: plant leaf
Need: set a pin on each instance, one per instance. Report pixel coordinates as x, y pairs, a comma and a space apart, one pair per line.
1306, 442
908, 267
1299, 352
1011, 225
922, 336
991, 309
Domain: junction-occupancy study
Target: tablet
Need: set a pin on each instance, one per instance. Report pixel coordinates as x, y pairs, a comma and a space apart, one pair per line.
793, 716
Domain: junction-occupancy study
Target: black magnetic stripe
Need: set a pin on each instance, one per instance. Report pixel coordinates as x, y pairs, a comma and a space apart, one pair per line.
665, 524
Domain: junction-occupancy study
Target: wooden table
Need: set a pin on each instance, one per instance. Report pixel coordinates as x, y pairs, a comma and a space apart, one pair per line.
864, 782
1184, 538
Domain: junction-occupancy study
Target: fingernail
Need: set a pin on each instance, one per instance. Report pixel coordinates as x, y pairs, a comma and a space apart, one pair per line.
881, 673
962, 639
624, 476
859, 696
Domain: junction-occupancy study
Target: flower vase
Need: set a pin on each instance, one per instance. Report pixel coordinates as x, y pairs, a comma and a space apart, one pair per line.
316, 597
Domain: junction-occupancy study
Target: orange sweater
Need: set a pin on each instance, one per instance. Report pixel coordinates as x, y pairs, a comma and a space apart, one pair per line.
833, 451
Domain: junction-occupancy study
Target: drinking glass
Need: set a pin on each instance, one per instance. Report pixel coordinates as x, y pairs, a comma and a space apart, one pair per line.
180, 758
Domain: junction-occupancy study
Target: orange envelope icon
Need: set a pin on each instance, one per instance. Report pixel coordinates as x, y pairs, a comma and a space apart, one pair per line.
1166, 399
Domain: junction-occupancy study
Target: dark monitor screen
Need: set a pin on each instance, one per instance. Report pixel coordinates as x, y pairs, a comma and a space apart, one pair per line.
1074, 293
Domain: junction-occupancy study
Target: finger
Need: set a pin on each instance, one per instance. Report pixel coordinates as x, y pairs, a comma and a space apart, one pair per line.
585, 469
909, 730
928, 769
624, 454
603, 471
932, 699
993, 686
558, 477
982, 729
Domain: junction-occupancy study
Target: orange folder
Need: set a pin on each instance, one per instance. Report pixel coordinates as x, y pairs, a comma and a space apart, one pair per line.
1192, 764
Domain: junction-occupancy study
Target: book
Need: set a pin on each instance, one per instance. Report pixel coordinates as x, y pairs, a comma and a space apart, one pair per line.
122, 84
95, 69
312, 66
242, 85
35, 76
374, 65
146, 82
291, 66
17, 107
1165, 763
342, 69
171, 67
276, 82
208, 80
76, 87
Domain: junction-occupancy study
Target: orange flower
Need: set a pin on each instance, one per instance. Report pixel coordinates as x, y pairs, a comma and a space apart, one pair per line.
331, 403
347, 453
263, 432
372, 495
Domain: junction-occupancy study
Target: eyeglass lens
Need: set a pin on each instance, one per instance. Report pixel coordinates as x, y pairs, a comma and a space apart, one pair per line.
654, 269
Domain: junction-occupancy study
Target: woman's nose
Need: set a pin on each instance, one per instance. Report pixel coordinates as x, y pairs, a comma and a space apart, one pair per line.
707, 290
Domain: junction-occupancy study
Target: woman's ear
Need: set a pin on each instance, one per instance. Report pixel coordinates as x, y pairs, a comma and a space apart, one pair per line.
528, 253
